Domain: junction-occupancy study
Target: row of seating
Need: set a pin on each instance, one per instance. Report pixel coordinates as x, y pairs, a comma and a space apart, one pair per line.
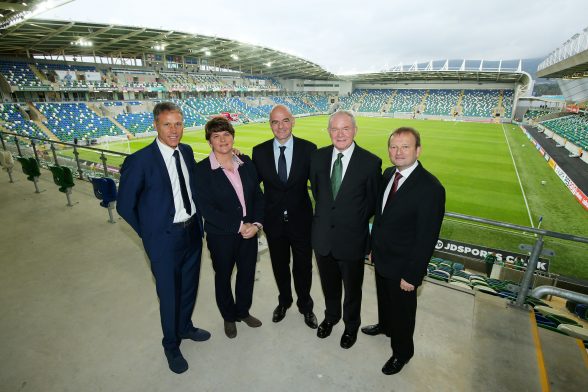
546, 316
573, 128
12, 119
104, 188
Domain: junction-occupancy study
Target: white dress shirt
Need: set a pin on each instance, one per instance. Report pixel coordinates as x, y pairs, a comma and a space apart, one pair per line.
170, 163
405, 173
344, 160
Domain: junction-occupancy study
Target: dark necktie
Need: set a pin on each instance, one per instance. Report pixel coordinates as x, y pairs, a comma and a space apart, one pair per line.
183, 188
337, 175
397, 178
282, 171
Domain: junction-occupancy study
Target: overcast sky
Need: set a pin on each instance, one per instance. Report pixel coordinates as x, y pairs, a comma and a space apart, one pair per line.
362, 35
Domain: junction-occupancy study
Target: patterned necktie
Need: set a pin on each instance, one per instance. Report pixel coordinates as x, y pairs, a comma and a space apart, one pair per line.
282, 171
183, 188
397, 178
337, 175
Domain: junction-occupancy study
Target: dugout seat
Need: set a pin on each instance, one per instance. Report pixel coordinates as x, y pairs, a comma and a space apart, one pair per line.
31, 168
7, 163
63, 178
105, 190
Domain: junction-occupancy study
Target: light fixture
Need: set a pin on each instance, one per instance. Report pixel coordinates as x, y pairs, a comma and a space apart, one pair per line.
234, 57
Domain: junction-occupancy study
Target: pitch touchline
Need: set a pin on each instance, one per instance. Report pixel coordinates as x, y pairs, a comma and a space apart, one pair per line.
518, 177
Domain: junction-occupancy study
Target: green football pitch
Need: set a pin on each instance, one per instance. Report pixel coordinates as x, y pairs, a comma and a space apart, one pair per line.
488, 170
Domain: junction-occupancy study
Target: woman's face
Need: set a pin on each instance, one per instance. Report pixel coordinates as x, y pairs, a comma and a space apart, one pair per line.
221, 142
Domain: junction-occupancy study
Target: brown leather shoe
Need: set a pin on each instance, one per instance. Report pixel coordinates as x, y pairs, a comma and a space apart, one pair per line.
251, 321
230, 329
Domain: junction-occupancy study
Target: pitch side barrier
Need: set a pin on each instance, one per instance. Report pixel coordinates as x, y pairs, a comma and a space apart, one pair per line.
538, 249
83, 159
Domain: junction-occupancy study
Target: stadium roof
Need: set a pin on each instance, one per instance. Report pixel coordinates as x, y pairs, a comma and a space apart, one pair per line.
69, 38
36, 36
569, 60
15, 11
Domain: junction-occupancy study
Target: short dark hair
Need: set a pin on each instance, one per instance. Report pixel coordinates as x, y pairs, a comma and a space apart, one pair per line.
218, 124
166, 107
401, 130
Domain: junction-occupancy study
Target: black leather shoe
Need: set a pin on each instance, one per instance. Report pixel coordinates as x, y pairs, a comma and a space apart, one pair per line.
279, 313
393, 366
372, 330
196, 334
251, 321
348, 339
324, 329
310, 320
176, 361
230, 329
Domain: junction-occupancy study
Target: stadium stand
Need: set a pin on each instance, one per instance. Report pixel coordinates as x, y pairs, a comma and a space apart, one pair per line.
573, 128
441, 102
75, 120
407, 100
19, 74
136, 122
374, 100
479, 103
12, 119
534, 114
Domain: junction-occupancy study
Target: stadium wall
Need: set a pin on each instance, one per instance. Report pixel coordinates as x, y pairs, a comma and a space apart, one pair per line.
574, 90
423, 85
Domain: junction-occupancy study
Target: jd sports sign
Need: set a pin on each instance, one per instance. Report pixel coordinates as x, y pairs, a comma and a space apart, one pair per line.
480, 252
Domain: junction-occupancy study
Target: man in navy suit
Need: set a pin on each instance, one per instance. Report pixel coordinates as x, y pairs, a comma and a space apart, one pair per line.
344, 179
156, 197
283, 165
406, 227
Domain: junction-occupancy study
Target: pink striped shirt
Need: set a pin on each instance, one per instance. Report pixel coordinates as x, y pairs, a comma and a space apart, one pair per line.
233, 176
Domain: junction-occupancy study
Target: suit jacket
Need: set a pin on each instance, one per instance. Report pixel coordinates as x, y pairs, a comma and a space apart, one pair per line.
340, 226
145, 198
405, 234
292, 196
221, 208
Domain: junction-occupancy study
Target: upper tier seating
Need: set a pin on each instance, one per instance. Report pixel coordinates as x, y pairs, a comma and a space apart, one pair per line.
19, 74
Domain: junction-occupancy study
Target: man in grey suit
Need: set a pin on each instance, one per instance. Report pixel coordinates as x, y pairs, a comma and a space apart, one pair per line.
344, 180
406, 227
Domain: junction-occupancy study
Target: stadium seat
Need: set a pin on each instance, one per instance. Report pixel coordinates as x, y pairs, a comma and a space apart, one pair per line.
105, 190
63, 178
30, 167
7, 163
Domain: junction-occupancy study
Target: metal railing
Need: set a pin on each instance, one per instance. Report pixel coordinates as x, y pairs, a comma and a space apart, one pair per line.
536, 250
84, 159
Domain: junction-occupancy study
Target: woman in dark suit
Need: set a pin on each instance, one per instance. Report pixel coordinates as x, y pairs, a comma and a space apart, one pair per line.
231, 203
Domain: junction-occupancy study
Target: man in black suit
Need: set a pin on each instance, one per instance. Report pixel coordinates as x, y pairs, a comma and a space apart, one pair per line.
283, 165
406, 227
344, 180
157, 198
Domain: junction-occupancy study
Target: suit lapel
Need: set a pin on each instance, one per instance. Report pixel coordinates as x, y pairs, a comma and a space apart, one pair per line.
160, 165
407, 185
296, 159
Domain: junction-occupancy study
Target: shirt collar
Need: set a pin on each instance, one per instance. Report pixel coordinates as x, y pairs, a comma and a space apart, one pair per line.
406, 172
289, 144
346, 153
166, 150
214, 164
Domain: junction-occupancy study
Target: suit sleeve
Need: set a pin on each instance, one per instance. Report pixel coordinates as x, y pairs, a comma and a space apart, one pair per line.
258, 202
372, 193
129, 191
429, 219
255, 159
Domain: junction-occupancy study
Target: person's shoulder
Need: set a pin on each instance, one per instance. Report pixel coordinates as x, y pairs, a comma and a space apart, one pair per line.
430, 178
203, 164
367, 155
245, 158
263, 145
305, 143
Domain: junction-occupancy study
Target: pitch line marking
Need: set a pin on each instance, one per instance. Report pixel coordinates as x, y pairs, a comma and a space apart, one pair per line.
518, 177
